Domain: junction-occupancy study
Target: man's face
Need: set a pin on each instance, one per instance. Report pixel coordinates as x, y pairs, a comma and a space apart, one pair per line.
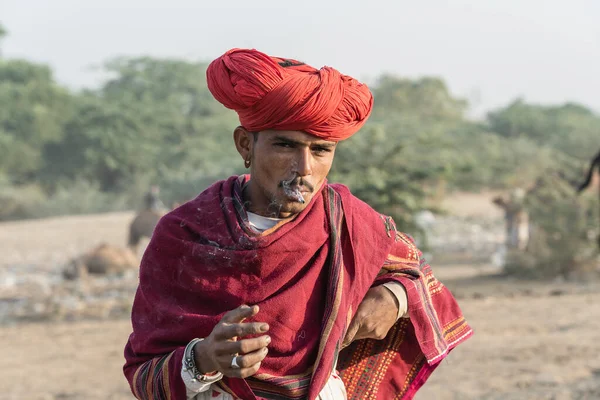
287, 169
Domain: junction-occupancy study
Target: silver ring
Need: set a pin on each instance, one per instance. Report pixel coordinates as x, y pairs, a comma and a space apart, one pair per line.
234, 363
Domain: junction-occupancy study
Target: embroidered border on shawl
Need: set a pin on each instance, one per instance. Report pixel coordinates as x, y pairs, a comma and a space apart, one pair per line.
425, 300
336, 272
455, 329
410, 377
392, 259
284, 387
366, 371
413, 252
428, 287
151, 379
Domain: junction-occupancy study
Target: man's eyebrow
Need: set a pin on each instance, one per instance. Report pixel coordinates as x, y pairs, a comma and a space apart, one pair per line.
285, 140
328, 145
299, 143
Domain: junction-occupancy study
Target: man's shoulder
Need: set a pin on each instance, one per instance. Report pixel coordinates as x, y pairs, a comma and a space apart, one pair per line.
201, 211
363, 214
363, 218
348, 197
207, 199
357, 206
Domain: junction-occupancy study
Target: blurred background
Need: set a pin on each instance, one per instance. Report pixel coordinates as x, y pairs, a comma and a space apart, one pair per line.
484, 144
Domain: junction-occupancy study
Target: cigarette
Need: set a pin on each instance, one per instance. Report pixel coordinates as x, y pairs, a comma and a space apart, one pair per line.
296, 194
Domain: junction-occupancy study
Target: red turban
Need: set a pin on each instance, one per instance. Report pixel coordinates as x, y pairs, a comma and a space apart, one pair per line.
282, 94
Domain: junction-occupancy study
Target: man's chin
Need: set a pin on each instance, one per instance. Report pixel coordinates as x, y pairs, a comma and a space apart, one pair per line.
289, 208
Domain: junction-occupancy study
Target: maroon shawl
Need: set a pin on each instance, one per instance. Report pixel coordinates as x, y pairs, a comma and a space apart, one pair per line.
308, 277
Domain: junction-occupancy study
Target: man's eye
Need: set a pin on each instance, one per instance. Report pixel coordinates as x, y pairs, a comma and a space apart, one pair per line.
286, 145
322, 150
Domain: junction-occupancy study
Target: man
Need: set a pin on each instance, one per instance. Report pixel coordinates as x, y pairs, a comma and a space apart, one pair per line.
276, 284
152, 200
516, 217
144, 222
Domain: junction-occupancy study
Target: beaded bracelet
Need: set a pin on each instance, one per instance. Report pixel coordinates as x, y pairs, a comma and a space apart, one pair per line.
189, 363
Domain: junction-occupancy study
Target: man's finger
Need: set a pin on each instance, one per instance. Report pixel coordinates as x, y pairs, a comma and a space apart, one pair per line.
244, 346
230, 331
239, 314
244, 361
251, 359
242, 372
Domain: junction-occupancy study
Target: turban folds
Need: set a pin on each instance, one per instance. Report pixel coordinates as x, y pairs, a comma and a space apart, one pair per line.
282, 94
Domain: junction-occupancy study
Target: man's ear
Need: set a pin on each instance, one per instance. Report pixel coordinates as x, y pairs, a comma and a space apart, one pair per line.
243, 141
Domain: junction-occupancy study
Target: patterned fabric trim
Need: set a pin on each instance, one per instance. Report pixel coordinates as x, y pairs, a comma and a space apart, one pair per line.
285, 387
367, 371
336, 272
411, 377
151, 380
451, 345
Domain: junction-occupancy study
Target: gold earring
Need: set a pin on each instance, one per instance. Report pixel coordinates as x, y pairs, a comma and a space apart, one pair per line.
247, 162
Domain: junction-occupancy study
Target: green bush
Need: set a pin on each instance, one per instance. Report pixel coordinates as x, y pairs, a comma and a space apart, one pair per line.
19, 202
560, 243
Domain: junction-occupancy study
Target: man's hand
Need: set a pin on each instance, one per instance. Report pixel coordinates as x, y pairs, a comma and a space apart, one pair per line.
215, 352
376, 314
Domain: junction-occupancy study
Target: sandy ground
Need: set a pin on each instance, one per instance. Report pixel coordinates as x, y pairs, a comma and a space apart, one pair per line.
532, 341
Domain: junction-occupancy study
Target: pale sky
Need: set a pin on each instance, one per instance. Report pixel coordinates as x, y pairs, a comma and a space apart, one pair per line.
489, 51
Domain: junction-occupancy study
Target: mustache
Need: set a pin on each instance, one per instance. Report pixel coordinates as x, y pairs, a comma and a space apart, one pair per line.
299, 182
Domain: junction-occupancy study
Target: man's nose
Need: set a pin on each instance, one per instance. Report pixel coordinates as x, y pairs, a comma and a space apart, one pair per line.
304, 162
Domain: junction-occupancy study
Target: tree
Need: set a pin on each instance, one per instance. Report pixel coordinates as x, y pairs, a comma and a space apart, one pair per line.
385, 173
177, 111
425, 98
33, 111
3, 34
560, 243
154, 120
104, 143
570, 128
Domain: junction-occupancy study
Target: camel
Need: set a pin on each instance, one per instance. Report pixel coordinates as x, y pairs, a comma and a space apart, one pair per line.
594, 165
143, 225
104, 259
145, 221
